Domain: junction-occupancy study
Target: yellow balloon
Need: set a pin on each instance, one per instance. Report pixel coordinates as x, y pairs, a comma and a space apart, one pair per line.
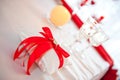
59, 15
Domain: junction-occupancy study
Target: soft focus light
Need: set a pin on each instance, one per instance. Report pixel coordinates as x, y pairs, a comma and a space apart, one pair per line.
59, 15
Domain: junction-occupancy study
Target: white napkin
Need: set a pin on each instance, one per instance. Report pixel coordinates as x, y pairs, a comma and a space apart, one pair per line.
84, 60
49, 63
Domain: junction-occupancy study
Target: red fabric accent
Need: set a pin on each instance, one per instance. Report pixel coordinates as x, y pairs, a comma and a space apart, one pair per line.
25, 44
110, 75
41, 45
92, 2
77, 20
104, 54
100, 19
83, 2
67, 6
100, 49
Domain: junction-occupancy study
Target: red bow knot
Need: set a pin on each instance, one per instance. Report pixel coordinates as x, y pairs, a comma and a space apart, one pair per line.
41, 45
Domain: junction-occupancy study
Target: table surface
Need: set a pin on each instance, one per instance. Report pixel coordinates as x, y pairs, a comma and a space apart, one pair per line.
29, 16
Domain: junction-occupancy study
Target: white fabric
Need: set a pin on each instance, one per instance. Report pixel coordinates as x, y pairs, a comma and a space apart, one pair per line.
29, 16
49, 63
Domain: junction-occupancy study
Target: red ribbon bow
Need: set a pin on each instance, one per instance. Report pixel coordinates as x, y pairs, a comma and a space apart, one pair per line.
41, 45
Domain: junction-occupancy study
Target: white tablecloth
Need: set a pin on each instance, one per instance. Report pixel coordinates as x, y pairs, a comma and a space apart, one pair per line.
29, 16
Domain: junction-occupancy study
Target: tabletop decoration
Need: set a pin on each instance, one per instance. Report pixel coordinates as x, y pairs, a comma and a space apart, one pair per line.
40, 45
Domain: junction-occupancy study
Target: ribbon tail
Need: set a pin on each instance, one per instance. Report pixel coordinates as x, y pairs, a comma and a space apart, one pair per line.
37, 53
60, 52
61, 60
63, 52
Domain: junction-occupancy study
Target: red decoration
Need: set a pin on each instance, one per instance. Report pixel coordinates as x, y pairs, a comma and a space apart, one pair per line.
110, 75
67, 6
92, 2
77, 20
99, 19
42, 45
100, 49
83, 2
